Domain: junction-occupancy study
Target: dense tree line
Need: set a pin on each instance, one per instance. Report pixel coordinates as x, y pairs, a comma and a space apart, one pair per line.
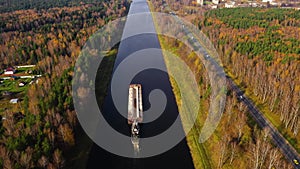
247, 17
12, 5
52, 40
53, 32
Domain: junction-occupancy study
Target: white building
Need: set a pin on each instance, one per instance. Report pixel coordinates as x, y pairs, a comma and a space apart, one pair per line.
22, 84
214, 6
200, 2
14, 101
9, 71
253, 4
230, 4
215, 2
272, 2
265, 1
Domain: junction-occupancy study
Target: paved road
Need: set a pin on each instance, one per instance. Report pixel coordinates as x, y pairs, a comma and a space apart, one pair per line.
288, 151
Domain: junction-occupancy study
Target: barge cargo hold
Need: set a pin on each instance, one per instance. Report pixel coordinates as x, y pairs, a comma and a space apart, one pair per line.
135, 104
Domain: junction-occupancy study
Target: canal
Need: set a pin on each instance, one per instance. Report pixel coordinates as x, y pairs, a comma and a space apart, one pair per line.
151, 79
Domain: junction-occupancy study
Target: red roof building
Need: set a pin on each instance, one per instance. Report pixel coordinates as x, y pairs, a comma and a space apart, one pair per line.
9, 71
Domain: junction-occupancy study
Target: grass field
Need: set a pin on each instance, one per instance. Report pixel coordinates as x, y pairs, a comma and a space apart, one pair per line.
14, 90
12, 86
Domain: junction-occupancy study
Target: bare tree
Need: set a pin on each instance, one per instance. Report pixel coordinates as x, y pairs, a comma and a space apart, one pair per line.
233, 152
6, 156
58, 159
9, 123
26, 157
255, 154
273, 158
241, 121
223, 147
43, 162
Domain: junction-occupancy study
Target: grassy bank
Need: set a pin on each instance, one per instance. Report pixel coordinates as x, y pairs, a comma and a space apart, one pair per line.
198, 150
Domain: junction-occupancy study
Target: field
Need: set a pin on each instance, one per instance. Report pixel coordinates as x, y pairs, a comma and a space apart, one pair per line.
11, 87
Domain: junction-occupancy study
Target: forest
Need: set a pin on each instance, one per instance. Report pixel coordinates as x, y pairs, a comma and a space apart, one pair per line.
49, 35
13, 5
259, 49
264, 58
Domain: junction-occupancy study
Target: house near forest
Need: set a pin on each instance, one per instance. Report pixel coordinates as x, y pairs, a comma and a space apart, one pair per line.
10, 71
14, 101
